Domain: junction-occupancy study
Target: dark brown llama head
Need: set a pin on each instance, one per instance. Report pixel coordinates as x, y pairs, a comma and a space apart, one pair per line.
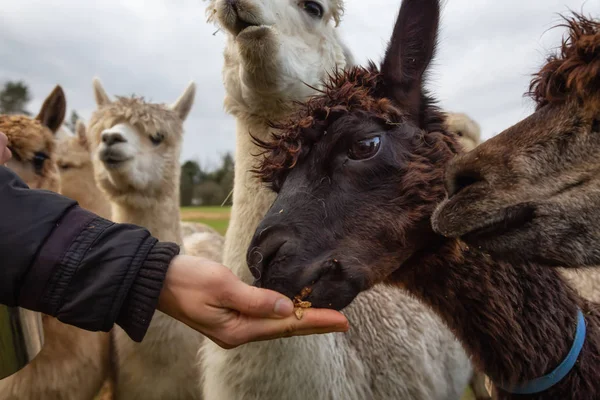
533, 191
358, 172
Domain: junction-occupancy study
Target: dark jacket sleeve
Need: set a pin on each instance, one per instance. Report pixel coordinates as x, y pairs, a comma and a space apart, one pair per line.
64, 261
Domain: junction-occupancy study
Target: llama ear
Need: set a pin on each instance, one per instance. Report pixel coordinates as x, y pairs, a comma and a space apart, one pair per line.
410, 51
52, 113
80, 131
184, 103
100, 94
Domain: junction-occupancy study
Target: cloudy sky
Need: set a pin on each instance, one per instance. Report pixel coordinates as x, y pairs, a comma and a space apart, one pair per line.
488, 50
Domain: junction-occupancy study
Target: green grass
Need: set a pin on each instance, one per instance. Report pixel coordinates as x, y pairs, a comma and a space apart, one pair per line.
220, 225
215, 216
215, 209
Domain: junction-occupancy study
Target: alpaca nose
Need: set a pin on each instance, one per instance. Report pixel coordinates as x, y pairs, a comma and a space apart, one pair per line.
264, 249
460, 176
111, 138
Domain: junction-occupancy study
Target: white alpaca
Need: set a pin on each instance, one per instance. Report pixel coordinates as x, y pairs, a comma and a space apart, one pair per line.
395, 349
136, 147
468, 131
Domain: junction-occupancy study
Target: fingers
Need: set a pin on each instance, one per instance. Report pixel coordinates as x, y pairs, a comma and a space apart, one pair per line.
5, 153
255, 302
250, 329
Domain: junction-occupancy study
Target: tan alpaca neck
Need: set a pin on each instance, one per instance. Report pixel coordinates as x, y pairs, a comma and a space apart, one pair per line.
86, 192
251, 199
161, 217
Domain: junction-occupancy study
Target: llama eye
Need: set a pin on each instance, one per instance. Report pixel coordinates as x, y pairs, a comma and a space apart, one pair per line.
39, 159
365, 148
459, 133
313, 8
157, 138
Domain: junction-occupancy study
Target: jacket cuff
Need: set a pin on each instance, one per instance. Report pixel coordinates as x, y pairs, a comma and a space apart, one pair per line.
141, 302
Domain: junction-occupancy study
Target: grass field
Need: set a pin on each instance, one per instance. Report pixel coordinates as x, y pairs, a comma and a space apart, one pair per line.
216, 217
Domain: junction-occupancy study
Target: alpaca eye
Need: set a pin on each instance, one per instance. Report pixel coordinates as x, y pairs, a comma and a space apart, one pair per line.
39, 159
64, 167
313, 8
459, 133
157, 138
365, 148
596, 125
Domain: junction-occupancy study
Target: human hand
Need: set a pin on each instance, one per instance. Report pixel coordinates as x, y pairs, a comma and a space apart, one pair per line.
5, 153
208, 297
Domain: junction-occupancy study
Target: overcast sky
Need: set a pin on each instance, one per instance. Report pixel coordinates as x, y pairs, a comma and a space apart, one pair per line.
487, 52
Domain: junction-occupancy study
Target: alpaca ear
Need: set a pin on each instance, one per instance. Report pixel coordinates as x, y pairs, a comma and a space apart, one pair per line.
99, 93
184, 103
410, 51
52, 113
81, 133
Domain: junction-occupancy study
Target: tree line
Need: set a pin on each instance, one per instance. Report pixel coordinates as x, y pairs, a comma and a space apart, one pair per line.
199, 186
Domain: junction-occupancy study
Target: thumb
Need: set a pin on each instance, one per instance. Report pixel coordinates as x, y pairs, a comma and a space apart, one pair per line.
256, 302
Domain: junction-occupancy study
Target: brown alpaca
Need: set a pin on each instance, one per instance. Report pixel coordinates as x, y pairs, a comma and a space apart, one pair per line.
72, 363
77, 172
532, 192
359, 171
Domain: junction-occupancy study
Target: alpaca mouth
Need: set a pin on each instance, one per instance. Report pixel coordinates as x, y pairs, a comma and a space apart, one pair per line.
510, 219
113, 160
237, 20
241, 25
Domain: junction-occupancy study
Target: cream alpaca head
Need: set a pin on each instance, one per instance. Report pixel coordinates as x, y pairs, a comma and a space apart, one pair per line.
136, 145
468, 131
73, 157
32, 142
275, 48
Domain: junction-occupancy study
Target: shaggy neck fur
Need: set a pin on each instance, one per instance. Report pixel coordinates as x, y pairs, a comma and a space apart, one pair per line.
517, 321
160, 215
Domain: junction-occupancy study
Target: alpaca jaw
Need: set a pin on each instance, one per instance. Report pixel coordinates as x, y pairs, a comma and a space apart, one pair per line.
237, 16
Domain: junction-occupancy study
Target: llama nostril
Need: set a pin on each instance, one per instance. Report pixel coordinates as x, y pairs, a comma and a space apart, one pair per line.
461, 180
112, 138
262, 253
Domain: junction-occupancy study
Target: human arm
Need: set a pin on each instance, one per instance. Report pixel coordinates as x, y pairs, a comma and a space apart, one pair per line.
89, 272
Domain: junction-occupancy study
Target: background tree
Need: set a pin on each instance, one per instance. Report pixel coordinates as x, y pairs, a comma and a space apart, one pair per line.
207, 187
190, 177
14, 98
71, 122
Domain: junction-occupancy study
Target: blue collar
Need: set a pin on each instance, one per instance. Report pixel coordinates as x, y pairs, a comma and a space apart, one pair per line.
547, 381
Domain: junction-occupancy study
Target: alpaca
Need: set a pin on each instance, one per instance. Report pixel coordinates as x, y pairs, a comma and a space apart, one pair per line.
372, 148
207, 244
135, 149
190, 228
467, 130
536, 182
274, 51
73, 363
539, 176
77, 182
77, 172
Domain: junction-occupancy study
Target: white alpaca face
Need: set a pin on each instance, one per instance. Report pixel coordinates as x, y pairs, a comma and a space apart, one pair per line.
136, 145
275, 47
131, 157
